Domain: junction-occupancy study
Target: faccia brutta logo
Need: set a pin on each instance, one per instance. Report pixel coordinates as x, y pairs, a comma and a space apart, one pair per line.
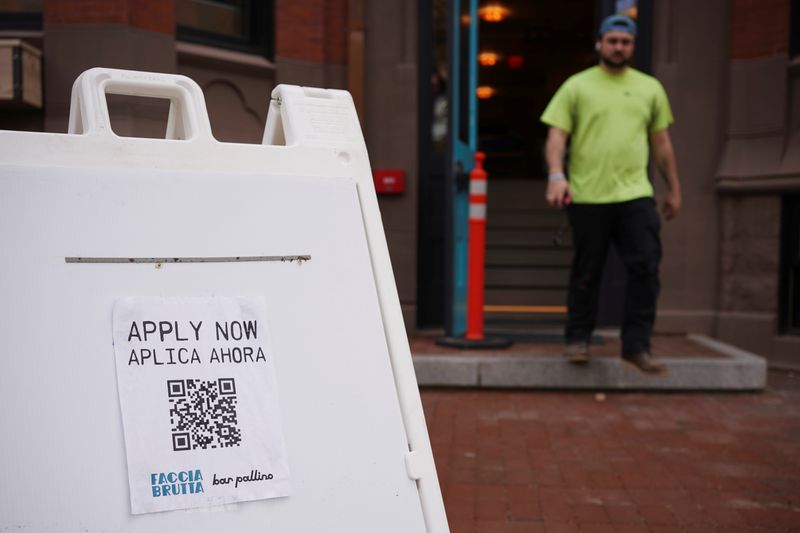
176, 483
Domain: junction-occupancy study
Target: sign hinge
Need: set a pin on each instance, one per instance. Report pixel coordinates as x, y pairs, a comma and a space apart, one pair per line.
415, 465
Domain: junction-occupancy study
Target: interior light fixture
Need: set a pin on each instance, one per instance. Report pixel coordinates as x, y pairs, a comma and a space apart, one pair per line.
494, 12
632, 12
515, 61
488, 59
629, 8
485, 91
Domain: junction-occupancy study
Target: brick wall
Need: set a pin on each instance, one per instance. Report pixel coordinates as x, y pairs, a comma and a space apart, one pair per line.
153, 15
336, 31
759, 28
311, 30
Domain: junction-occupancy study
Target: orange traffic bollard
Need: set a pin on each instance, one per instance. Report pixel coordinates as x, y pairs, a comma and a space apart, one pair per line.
477, 249
476, 259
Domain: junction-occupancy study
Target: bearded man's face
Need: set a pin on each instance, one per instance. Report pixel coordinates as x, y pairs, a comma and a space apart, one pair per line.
616, 49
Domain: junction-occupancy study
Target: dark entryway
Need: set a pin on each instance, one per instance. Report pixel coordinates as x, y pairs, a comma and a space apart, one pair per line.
790, 266
524, 57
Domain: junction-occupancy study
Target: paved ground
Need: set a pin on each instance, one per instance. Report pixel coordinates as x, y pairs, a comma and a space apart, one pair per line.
517, 461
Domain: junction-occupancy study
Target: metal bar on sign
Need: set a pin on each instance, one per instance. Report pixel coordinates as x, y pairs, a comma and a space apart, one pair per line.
238, 259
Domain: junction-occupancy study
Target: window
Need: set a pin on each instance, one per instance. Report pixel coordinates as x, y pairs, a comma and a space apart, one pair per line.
21, 15
790, 266
243, 25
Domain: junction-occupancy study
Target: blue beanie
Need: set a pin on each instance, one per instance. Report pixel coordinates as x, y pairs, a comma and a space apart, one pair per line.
617, 23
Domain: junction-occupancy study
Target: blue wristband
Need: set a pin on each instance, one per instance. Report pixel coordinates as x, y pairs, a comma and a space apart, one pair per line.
556, 176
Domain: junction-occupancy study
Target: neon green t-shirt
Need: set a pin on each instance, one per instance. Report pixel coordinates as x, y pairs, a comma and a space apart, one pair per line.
609, 118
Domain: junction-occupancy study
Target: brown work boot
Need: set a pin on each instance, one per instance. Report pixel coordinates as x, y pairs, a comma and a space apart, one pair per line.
577, 353
644, 362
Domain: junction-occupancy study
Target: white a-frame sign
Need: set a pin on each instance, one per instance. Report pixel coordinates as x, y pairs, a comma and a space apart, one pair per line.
203, 336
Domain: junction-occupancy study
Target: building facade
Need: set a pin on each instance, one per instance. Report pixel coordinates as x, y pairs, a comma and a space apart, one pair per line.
731, 267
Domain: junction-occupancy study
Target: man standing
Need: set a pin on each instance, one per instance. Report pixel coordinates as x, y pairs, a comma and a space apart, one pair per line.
613, 115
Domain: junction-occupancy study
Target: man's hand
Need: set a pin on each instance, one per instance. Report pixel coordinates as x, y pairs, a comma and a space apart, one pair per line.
664, 156
558, 194
672, 205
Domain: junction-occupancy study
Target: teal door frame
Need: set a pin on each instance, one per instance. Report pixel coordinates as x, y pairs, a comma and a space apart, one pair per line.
463, 133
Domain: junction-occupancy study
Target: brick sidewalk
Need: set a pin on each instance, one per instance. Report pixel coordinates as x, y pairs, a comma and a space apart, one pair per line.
539, 461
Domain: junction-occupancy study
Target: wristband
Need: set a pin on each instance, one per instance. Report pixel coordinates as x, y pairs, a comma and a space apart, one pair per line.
556, 176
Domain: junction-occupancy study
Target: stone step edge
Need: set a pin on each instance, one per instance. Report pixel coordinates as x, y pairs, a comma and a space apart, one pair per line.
738, 371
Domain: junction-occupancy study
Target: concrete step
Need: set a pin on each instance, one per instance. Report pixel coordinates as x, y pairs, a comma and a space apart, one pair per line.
524, 219
517, 193
504, 257
524, 264
729, 369
555, 295
526, 276
514, 238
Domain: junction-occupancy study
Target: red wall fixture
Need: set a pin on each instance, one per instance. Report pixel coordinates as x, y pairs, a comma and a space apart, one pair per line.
389, 180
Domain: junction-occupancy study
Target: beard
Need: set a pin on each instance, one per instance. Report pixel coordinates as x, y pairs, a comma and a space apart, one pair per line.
615, 61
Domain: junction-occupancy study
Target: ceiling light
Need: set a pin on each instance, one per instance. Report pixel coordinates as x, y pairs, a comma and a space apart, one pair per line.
488, 59
484, 92
494, 12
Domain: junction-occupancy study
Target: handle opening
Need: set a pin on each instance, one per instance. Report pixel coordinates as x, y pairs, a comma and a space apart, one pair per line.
132, 116
98, 91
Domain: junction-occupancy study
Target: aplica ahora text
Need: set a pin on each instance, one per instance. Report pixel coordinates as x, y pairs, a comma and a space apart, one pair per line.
180, 337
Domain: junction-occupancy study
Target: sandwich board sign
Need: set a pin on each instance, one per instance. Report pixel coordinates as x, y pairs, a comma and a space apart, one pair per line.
203, 336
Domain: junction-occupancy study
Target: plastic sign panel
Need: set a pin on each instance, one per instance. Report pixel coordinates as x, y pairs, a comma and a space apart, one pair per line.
192, 362
199, 402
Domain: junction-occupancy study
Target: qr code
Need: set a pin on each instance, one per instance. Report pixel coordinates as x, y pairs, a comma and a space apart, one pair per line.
203, 414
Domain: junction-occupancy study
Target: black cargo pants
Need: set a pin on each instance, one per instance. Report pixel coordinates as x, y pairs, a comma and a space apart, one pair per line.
634, 228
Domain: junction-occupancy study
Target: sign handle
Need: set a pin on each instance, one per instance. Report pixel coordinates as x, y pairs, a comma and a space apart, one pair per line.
88, 114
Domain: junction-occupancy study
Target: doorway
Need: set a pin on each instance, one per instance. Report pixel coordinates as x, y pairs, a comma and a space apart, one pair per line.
524, 57
526, 49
